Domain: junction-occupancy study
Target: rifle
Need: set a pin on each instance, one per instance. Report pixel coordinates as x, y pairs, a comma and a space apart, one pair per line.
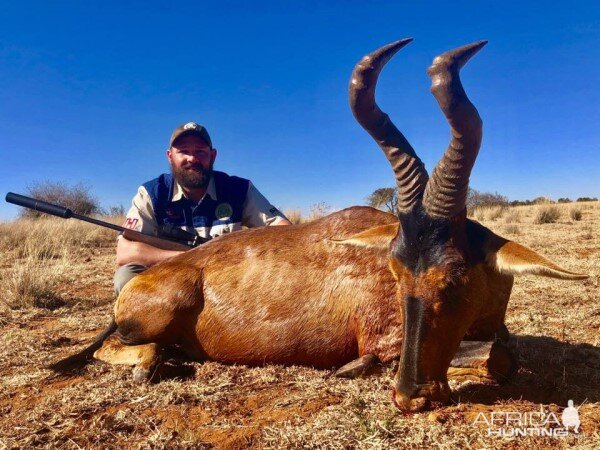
167, 237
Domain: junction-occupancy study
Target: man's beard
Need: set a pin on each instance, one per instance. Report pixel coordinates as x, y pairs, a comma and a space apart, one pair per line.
192, 176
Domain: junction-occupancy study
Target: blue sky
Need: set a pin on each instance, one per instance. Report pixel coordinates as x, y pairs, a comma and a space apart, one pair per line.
90, 92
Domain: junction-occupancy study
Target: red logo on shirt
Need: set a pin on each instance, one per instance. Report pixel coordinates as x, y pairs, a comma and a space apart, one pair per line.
130, 223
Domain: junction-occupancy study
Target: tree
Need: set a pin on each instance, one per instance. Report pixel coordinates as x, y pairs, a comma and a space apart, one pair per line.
384, 198
387, 199
77, 197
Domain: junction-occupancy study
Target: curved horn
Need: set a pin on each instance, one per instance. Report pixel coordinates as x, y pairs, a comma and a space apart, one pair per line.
446, 192
411, 176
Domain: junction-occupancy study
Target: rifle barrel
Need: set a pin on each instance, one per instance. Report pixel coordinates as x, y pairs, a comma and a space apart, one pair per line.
55, 210
66, 213
99, 222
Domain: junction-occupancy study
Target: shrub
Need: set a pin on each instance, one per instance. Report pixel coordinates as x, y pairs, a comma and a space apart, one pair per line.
542, 201
564, 200
575, 214
548, 214
521, 203
587, 199
114, 211
76, 197
477, 199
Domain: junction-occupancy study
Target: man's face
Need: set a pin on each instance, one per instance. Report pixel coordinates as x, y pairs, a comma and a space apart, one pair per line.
191, 161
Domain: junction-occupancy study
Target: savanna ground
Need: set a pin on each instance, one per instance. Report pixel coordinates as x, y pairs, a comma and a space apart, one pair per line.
56, 281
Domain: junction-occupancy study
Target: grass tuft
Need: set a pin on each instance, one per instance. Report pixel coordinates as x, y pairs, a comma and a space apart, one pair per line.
513, 215
34, 283
575, 214
512, 229
549, 214
294, 216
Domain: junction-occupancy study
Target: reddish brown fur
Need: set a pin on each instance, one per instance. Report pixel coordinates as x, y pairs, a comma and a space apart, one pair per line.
282, 295
291, 295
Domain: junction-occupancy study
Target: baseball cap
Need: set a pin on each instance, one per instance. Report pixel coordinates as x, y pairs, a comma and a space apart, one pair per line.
190, 128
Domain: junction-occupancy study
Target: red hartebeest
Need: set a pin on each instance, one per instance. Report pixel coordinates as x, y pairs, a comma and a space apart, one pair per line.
358, 283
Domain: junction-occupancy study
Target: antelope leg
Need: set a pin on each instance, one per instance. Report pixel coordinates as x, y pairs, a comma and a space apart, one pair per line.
478, 359
358, 367
144, 357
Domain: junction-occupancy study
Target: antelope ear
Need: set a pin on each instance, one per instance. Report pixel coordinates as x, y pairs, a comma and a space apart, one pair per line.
515, 259
376, 237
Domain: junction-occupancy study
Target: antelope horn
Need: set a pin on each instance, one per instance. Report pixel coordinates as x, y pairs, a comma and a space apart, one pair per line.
410, 173
446, 192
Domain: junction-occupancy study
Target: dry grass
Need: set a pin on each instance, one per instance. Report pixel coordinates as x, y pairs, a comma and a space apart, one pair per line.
555, 326
512, 229
40, 255
34, 283
294, 216
588, 233
492, 213
513, 215
317, 211
52, 237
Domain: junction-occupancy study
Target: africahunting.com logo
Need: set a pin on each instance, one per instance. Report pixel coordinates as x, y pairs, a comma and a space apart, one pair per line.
534, 423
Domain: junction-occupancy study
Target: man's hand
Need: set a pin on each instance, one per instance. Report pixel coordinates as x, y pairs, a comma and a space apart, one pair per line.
140, 253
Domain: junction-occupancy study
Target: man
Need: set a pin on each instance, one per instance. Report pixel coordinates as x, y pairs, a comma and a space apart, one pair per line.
192, 197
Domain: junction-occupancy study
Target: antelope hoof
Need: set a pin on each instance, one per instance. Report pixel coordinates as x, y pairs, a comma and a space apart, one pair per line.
410, 405
141, 375
356, 368
423, 398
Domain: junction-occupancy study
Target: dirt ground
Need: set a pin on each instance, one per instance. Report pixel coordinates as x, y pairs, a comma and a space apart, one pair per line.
555, 337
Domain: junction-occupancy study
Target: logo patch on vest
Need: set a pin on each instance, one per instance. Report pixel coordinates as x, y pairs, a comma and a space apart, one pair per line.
224, 211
